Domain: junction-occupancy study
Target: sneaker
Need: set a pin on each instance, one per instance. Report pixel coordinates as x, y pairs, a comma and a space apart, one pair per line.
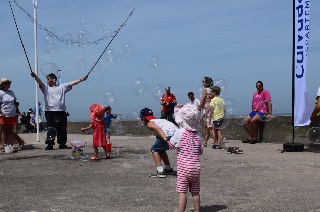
49, 147
158, 174
169, 171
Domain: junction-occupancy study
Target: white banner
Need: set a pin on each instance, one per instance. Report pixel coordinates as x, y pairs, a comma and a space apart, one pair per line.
302, 105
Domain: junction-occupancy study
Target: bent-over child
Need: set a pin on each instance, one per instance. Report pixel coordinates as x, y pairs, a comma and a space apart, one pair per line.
164, 130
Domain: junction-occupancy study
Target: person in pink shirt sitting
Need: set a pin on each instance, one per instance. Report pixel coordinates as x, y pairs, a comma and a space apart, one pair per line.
261, 111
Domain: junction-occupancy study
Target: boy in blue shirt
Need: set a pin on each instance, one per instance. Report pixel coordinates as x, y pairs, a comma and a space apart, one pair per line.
107, 117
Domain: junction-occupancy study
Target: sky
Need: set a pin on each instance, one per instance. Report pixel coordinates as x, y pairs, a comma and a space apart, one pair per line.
239, 42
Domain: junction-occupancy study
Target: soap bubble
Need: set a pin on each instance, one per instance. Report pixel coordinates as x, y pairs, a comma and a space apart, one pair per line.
51, 48
127, 48
49, 133
82, 64
110, 55
100, 28
117, 58
48, 68
83, 24
109, 97
155, 62
158, 91
67, 39
138, 86
48, 38
313, 135
232, 106
134, 116
222, 83
198, 92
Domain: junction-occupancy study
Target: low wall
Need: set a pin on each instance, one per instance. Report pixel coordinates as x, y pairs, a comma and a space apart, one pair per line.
278, 130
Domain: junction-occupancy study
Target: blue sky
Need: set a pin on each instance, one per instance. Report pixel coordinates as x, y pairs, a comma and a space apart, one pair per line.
239, 41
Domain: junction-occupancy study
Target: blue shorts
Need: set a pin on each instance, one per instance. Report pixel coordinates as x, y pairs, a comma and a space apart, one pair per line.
217, 124
263, 116
160, 146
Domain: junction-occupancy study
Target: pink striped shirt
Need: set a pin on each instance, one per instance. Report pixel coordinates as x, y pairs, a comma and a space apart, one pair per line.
189, 148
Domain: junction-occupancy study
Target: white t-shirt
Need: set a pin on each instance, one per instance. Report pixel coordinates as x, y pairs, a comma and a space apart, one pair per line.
7, 99
54, 97
167, 127
195, 102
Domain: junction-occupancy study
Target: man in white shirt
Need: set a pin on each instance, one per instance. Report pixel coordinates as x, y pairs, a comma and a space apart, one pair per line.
194, 101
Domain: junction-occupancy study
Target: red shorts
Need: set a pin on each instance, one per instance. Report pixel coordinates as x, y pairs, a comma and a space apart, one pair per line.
8, 120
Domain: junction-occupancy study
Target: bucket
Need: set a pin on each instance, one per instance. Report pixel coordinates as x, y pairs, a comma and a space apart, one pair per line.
108, 147
8, 149
77, 148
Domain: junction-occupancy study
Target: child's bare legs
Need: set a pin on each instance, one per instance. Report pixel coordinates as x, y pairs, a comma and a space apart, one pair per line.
206, 135
108, 137
156, 158
196, 201
182, 201
219, 133
164, 158
95, 152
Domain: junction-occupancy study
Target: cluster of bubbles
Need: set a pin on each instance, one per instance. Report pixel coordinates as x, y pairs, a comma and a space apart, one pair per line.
116, 126
50, 47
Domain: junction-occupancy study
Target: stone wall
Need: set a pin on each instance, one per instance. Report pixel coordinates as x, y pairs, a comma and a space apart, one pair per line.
278, 130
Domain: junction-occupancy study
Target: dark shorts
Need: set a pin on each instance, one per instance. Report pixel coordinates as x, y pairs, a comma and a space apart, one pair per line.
262, 115
160, 146
217, 124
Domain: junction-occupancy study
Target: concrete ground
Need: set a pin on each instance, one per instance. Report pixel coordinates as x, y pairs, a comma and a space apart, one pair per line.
260, 179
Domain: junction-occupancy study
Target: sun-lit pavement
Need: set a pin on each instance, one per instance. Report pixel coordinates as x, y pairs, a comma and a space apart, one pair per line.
260, 179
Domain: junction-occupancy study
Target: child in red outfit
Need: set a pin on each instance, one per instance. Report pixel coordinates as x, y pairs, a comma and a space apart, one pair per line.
98, 124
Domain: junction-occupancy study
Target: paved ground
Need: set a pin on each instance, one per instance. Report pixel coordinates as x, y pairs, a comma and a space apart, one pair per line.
261, 179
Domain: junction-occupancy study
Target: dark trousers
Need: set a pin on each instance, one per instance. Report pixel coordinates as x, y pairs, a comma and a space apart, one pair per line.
57, 120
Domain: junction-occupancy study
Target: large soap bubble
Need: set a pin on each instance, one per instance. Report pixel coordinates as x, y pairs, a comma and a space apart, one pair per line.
222, 83
109, 98
158, 91
138, 86
232, 106
83, 24
48, 68
155, 62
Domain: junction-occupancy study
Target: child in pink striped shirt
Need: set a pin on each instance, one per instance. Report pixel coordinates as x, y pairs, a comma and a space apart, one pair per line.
189, 147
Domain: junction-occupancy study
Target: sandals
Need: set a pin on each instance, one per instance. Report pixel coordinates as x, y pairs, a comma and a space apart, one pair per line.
94, 158
234, 150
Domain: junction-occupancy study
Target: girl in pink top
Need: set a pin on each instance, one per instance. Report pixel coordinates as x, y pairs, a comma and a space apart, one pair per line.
189, 147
